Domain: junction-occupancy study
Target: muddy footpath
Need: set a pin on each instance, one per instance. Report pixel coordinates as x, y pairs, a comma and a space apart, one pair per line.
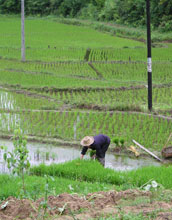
92, 206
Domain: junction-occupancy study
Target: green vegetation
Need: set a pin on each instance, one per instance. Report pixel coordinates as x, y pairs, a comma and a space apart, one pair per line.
58, 88
125, 12
17, 160
11, 186
51, 38
92, 171
82, 171
129, 216
82, 177
77, 81
61, 125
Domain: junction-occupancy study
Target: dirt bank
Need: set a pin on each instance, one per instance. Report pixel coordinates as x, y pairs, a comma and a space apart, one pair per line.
72, 206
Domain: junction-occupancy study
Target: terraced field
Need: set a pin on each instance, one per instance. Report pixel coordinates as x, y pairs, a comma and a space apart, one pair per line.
77, 81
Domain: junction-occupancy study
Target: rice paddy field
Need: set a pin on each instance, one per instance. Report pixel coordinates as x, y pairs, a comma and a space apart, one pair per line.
77, 81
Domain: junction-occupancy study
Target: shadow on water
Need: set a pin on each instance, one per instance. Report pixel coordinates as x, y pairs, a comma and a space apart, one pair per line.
48, 154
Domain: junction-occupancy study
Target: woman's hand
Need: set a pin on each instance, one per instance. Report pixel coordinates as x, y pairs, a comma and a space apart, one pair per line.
93, 157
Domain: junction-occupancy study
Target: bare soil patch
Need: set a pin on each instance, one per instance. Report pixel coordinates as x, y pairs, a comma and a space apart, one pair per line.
72, 206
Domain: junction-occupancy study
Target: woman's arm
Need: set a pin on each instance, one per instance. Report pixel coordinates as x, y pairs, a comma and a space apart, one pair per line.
83, 152
81, 157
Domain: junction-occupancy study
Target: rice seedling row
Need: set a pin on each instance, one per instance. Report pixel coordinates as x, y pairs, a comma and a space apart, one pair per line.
102, 99
47, 43
135, 98
48, 55
71, 125
27, 101
80, 74
78, 54
49, 40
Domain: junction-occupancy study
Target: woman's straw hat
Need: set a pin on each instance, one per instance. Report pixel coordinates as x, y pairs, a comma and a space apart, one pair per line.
87, 141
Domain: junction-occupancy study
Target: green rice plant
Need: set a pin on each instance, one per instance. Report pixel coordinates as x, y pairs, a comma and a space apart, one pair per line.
92, 171
92, 153
80, 170
135, 97
126, 125
116, 141
122, 141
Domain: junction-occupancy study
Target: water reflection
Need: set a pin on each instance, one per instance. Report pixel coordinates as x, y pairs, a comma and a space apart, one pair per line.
6, 100
127, 163
48, 154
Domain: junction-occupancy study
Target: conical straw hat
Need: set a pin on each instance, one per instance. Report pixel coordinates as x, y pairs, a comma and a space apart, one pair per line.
87, 141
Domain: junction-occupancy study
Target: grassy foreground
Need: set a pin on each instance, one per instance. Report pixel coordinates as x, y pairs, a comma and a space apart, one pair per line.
82, 177
11, 186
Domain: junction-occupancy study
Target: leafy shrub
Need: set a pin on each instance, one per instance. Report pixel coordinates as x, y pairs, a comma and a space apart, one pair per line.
89, 12
10, 6
108, 11
165, 26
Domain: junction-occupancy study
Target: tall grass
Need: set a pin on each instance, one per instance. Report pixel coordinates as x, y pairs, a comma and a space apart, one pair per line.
82, 177
94, 172
80, 170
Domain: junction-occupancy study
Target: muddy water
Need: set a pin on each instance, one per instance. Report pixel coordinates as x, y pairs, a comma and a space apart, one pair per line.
47, 153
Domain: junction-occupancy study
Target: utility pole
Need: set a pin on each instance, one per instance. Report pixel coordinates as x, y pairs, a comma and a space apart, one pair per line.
22, 32
149, 61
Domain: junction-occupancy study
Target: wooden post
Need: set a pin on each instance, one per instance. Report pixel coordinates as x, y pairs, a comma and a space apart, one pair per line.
148, 151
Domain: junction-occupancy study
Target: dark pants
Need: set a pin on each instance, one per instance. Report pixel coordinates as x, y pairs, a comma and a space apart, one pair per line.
101, 160
104, 149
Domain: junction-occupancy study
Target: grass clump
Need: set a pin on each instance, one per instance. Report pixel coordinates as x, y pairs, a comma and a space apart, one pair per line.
91, 171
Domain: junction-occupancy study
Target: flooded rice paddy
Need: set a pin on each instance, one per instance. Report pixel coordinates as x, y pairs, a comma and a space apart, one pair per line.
48, 154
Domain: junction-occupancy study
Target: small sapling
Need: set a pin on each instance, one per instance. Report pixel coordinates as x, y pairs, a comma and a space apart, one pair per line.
17, 160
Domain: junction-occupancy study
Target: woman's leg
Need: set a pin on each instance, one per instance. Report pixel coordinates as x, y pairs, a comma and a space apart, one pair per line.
101, 160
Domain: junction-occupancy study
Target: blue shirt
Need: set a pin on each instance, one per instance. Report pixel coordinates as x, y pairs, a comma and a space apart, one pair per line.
100, 144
